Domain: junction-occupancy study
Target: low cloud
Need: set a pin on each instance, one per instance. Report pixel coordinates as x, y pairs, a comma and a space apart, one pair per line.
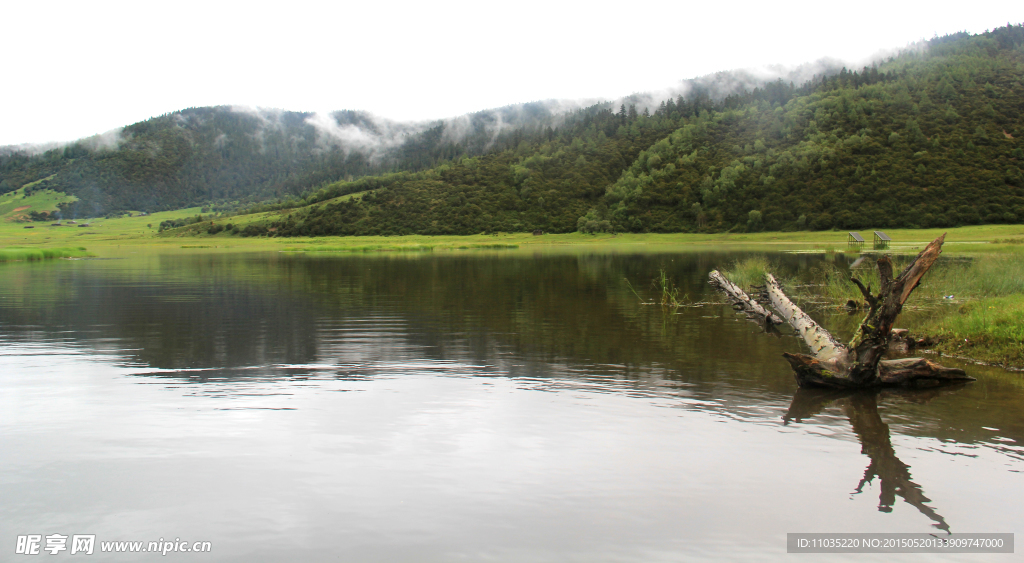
489, 124
348, 131
110, 140
268, 117
540, 114
29, 149
361, 131
375, 137
720, 85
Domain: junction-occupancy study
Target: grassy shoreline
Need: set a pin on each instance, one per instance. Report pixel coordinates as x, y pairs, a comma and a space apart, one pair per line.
990, 330
987, 326
142, 231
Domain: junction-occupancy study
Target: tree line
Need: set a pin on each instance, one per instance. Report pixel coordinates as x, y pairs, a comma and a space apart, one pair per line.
928, 138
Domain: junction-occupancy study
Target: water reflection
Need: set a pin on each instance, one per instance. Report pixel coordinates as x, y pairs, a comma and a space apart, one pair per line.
861, 408
468, 387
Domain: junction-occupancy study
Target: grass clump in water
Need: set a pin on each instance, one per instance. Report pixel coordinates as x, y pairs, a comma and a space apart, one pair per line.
749, 271
668, 289
35, 254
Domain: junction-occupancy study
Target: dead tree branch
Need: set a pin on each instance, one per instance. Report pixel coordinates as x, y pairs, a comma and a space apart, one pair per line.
742, 302
858, 364
825, 347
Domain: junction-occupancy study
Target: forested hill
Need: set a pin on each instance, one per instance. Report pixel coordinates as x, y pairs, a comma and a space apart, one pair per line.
932, 137
224, 155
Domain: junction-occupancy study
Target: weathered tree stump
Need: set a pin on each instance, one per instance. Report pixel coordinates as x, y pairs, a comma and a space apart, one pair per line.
858, 364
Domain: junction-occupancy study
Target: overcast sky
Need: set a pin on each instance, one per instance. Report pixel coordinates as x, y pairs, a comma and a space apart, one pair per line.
73, 69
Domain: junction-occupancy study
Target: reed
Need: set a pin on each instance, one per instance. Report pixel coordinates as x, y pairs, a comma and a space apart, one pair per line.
668, 289
987, 275
750, 271
667, 293
35, 254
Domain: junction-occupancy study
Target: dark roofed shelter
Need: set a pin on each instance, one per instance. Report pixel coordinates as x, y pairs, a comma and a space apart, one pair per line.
854, 238
882, 240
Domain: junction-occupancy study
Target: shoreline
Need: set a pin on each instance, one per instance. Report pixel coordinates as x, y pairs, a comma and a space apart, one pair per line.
140, 231
975, 322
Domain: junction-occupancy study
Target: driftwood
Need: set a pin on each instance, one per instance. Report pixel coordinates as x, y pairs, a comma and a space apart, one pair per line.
858, 364
743, 303
825, 347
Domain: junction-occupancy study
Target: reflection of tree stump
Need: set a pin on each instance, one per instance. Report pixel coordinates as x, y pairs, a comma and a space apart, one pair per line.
861, 407
858, 364
893, 474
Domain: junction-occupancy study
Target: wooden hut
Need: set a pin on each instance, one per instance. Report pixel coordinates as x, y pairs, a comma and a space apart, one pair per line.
882, 240
854, 239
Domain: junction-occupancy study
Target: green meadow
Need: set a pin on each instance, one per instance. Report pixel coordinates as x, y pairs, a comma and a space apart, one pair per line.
143, 231
15, 206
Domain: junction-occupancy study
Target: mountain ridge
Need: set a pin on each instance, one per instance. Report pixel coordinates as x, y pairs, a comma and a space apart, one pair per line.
226, 156
929, 138
832, 152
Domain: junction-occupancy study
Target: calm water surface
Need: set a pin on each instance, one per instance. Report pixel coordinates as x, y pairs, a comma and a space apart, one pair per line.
459, 407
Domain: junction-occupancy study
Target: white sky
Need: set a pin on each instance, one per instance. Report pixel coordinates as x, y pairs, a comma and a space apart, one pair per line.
74, 69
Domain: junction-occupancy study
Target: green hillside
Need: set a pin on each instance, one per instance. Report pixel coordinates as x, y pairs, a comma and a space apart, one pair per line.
31, 203
225, 157
929, 138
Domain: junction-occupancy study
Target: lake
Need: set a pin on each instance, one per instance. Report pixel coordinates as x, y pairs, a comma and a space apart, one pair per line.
477, 406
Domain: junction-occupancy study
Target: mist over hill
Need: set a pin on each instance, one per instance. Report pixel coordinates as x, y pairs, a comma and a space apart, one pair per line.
927, 137
214, 155
229, 155
930, 137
